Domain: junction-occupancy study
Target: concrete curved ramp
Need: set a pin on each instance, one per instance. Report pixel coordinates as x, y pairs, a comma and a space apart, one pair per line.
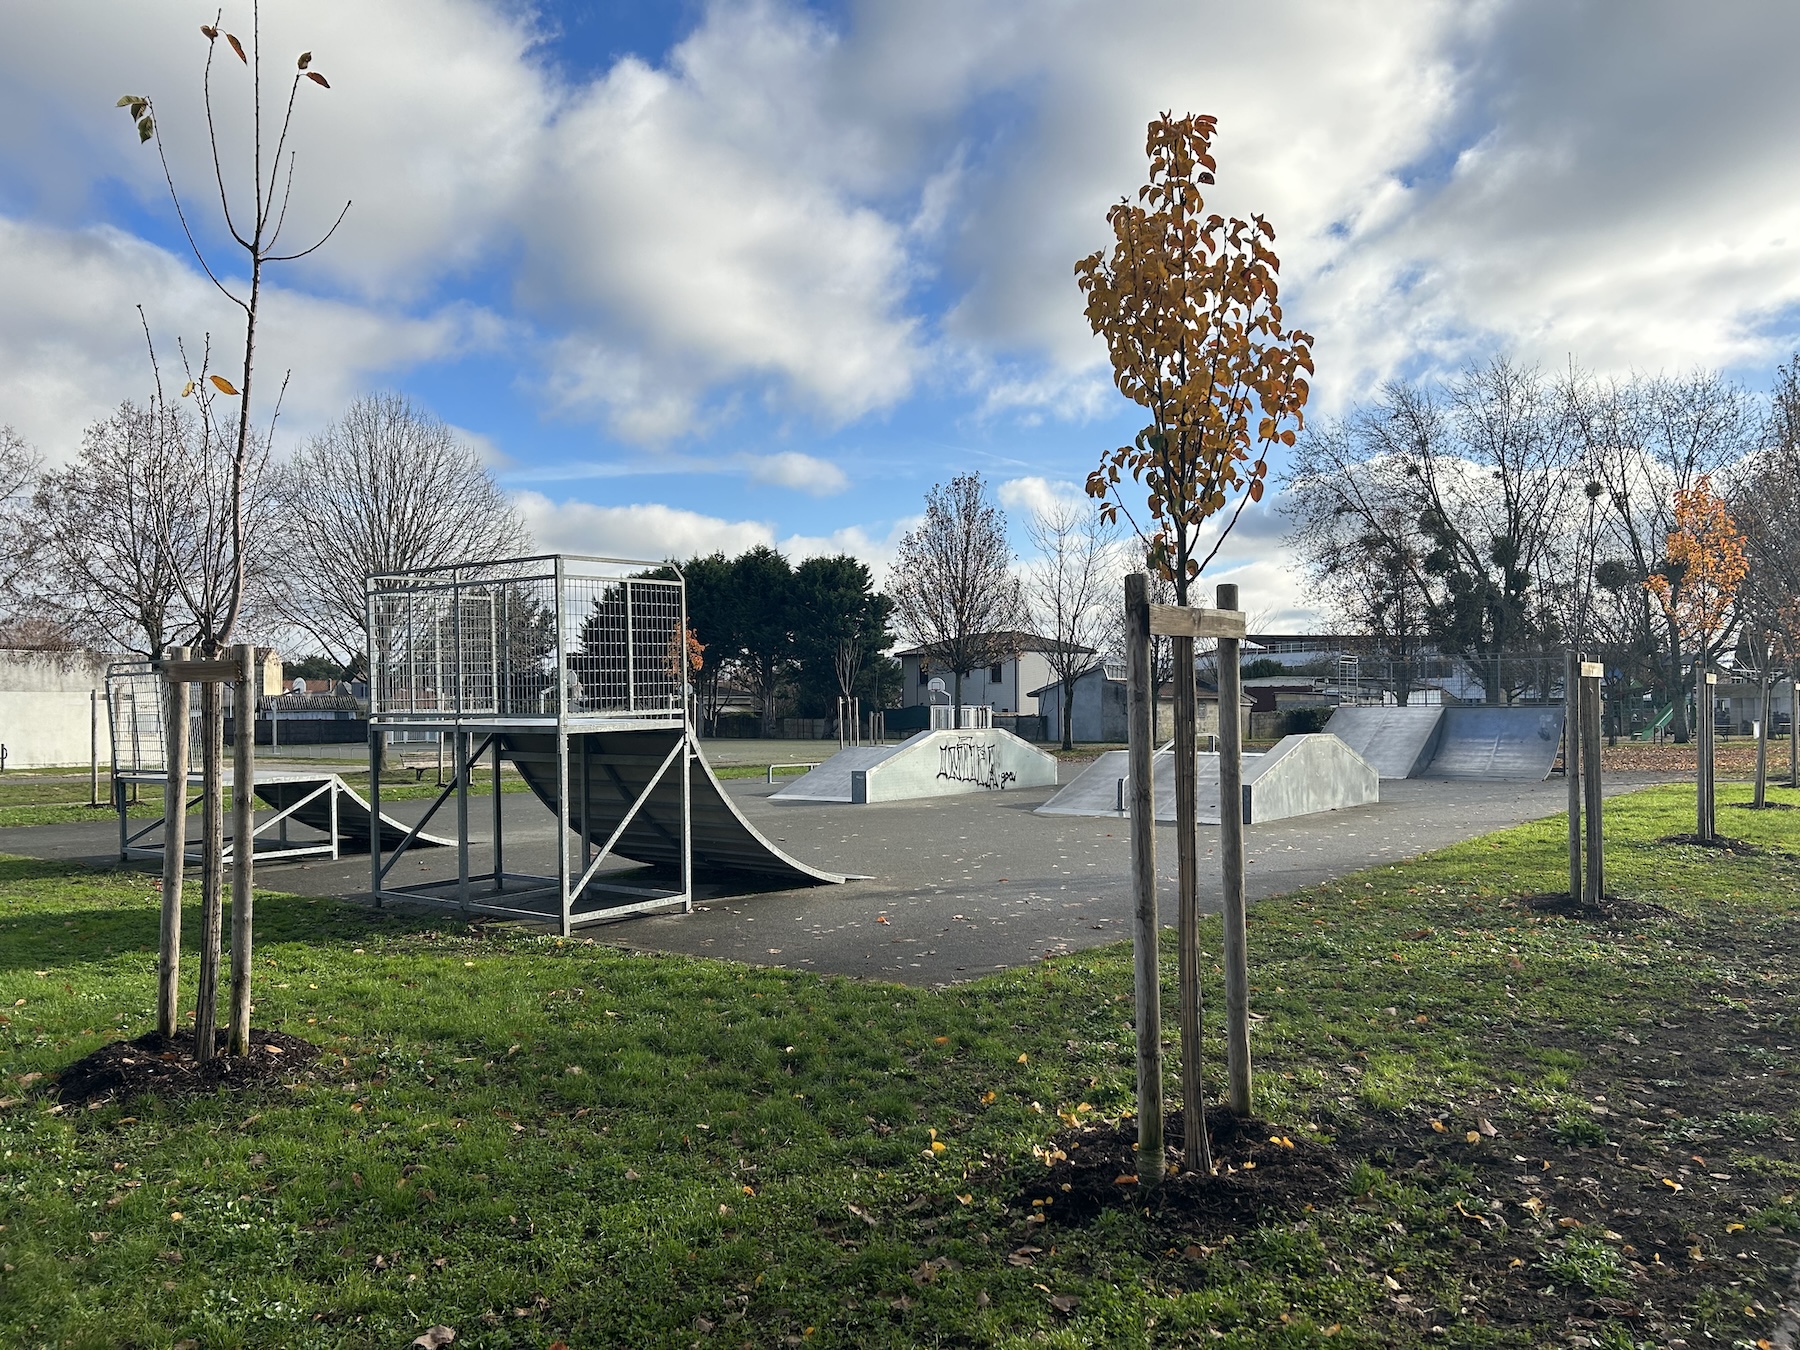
618, 766
929, 764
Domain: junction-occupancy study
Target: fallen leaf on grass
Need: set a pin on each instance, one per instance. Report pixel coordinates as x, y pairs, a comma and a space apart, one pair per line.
1024, 1059
1673, 1185
1021, 1256
1282, 1140
864, 1215
1125, 1179
1532, 1203
1065, 1303
1734, 1228
1439, 1126
1390, 1281
1472, 1137
433, 1337
1566, 1222
903, 1303
1485, 1126
631, 1175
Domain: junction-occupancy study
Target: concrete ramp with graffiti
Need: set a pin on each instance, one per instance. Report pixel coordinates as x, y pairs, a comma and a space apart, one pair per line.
930, 764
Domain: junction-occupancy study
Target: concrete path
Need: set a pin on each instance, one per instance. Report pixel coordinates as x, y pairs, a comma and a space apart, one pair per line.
966, 885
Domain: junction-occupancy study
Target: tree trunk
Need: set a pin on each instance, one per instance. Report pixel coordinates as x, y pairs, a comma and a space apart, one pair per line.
1678, 725
1068, 715
956, 700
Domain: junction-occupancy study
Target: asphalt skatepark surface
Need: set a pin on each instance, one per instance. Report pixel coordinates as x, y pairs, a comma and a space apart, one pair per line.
959, 886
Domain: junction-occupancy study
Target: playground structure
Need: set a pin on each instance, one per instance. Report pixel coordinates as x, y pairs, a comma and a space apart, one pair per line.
1437, 741
577, 671
936, 763
336, 817
1302, 775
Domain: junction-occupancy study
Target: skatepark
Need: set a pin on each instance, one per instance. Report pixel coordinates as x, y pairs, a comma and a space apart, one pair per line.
942, 856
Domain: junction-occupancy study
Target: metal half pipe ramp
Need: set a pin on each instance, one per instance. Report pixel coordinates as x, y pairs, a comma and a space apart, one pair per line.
1504, 744
615, 767
1397, 742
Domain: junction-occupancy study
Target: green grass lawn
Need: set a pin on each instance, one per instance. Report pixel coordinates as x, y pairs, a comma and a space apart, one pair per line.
533, 1140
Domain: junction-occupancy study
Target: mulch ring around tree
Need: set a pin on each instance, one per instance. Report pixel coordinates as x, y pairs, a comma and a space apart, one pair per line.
165, 1067
1611, 909
1719, 843
1260, 1174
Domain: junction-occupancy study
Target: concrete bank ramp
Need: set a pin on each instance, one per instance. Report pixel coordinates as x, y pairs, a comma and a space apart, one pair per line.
1399, 742
1501, 744
929, 764
1304, 775
1300, 776
353, 814
618, 765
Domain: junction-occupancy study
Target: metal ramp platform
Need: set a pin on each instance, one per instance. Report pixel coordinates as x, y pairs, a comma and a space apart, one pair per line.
579, 671
610, 770
1398, 742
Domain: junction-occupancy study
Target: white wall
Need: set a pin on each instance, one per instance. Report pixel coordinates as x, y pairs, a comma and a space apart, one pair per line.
45, 707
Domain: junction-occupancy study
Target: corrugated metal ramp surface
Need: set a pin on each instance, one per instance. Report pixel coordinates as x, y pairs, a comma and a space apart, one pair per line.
352, 813
1397, 742
619, 764
1508, 744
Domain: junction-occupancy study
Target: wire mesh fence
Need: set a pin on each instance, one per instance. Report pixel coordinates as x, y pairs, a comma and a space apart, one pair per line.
529, 638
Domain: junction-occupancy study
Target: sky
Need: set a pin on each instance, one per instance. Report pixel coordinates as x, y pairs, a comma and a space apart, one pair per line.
698, 276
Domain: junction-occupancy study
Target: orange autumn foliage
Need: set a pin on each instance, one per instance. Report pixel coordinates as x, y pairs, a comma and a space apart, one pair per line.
1705, 564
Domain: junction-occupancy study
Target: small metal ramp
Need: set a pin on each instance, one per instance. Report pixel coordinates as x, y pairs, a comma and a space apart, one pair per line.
1504, 744
342, 813
616, 766
321, 801
1397, 742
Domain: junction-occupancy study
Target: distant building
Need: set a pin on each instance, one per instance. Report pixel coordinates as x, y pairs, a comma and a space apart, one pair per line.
1006, 686
1098, 708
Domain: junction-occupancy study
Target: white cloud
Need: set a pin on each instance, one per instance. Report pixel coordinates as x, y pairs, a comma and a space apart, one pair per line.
645, 530
802, 473
1036, 495
857, 541
71, 345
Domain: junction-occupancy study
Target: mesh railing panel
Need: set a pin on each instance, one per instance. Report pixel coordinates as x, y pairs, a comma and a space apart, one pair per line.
514, 641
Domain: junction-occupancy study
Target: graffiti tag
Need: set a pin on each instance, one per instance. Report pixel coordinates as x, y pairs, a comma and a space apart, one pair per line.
971, 761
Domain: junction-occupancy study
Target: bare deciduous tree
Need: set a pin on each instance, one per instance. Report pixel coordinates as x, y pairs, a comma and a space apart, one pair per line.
1648, 439
1069, 593
135, 534
385, 488
952, 582
19, 466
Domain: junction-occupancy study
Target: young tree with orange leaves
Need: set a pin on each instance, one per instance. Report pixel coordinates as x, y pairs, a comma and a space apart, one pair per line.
1704, 566
1190, 308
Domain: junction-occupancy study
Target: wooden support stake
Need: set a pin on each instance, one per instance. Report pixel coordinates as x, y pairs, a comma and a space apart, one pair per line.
1231, 861
1703, 752
1145, 929
1595, 889
1572, 764
243, 844
1794, 733
168, 957
1196, 1152
212, 865
1762, 745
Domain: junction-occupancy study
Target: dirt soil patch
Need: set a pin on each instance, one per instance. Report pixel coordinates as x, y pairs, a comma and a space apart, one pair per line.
1261, 1175
165, 1067
1719, 843
1611, 909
